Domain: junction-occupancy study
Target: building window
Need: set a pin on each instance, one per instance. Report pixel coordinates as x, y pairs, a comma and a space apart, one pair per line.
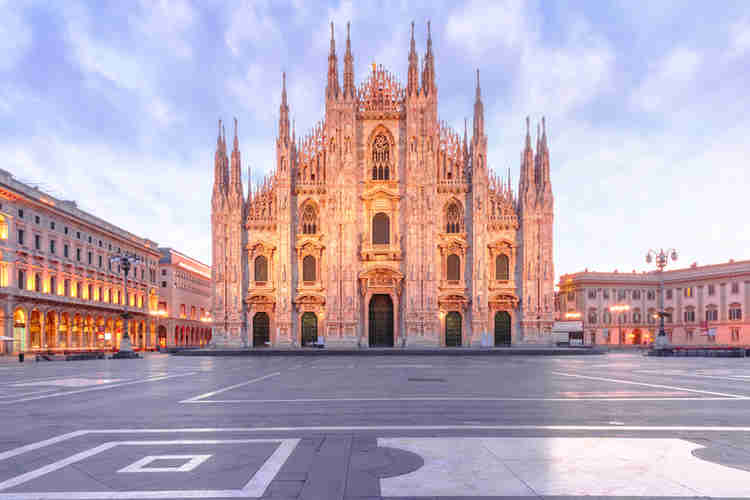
66, 250
65, 229
669, 294
91, 291
650, 295
78, 254
592, 293
52, 225
20, 236
37, 282
735, 287
100, 243
636, 295
712, 314
53, 285
668, 317
192, 312
380, 158
606, 317
592, 317
52, 246
381, 229
735, 312
502, 267
454, 267
620, 294
261, 268
308, 268
101, 264
37, 242
637, 316
651, 316
89, 238
21, 279
78, 235
36, 219
711, 290
66, 288
20, 213
453, 219
688, 291
163, 272
689, 335
605, 294
689, 315
571, 296
309, 220
164, 284
735, 334
90, 257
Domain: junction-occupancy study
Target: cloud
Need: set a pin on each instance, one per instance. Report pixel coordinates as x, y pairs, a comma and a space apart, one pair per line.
481, 27
740, 37
15, 35
668, 79
251, 23
167, 23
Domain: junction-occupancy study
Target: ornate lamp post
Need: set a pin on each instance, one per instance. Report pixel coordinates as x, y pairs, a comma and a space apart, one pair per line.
662, 258
125, 261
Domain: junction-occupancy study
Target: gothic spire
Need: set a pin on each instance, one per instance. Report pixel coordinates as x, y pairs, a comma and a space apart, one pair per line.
236, 144
478, 112
412, 87
348, 66
283, 112
544, 136
528, 135
249, 184
332, 89
235, 179
219, 176
428, 73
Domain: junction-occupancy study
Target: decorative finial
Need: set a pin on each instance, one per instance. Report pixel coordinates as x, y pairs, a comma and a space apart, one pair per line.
347, 30
412, 31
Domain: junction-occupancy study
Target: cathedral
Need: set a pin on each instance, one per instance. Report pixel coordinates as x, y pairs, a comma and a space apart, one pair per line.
382, 226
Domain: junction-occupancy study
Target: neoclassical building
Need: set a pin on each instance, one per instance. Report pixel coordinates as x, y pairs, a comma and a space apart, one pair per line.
382, 226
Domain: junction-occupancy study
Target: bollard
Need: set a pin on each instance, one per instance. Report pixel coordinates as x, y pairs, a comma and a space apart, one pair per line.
20, 357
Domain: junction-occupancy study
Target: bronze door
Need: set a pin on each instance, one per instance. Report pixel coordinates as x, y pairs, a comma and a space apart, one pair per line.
381, 321
502, 328
309, 329
261, 329
453, 329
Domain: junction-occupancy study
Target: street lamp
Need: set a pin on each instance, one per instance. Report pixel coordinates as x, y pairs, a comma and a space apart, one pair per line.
619, 308
125, 261
662, 258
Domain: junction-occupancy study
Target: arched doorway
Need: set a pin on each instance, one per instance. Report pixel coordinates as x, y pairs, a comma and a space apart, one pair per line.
309, 329
262, 330
637, 336
381, 321
19, 330
453, 329
35, 329
502, 328
162, 342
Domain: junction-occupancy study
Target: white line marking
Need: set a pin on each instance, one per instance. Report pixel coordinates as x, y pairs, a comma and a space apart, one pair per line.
40, 444
659, 386
441, 398
192, 461
736, 378
209, 394
255, 487
97, 388
24, 394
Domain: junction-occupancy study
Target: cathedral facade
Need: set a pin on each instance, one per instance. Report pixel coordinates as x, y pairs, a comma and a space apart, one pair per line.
382, 227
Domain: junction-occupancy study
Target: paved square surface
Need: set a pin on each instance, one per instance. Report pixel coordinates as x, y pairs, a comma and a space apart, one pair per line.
366, 428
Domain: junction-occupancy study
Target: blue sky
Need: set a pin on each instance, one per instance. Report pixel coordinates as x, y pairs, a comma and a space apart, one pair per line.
115, 105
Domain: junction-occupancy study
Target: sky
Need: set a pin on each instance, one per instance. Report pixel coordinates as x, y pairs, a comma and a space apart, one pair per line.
115, 105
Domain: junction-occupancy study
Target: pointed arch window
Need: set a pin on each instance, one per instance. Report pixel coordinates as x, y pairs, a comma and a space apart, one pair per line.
381, 158
453, 219
454, 267
308, 268
381, 229
261, 268
309, 220
501, 267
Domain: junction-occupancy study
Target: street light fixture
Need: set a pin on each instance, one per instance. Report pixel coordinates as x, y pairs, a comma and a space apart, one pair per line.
125, 261
662, 258
619, 308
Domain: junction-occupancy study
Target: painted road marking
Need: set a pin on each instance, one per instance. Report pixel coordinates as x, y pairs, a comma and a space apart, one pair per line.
70, 382
561, 466
657, 386
192, 461
197, 399
254, 488
467, 398
96, 388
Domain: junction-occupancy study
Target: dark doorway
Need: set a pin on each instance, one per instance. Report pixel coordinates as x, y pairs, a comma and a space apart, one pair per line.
381, 321
162, 337
261, 330
453, 329
309, 329
502, 328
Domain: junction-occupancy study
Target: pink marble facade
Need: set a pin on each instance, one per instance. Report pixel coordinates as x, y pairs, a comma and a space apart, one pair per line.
381, 205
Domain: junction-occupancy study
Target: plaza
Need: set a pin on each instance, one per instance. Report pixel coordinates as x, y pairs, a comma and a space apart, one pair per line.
374, 427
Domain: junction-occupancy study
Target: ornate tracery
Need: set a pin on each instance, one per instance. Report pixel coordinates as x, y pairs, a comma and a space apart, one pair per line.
309, 220
381, 149
453, 218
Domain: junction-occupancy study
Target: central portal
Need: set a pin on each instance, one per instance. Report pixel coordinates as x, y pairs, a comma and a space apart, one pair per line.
381, 321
